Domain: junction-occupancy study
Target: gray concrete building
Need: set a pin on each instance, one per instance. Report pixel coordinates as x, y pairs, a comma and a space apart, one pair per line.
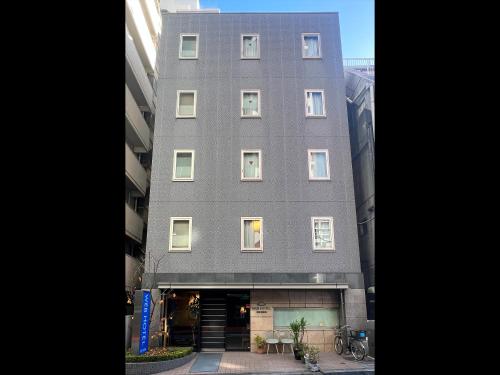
251, 210
360, 93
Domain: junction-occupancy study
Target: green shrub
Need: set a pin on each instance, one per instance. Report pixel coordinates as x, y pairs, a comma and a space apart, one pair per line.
260, 341
158, 354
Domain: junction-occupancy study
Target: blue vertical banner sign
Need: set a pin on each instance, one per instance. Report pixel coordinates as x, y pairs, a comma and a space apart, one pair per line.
143, 339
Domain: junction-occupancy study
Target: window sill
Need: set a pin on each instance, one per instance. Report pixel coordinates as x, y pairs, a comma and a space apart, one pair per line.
319, 179
250, 58
324, 250
185, 116
251, 179
314, 116
182, 179
258, 116
252, 250
179, 250
313, 58
188, 58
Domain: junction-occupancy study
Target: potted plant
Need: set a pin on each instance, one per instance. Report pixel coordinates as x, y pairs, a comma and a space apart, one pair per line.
312, 358
304, 349
297, 327
261, 344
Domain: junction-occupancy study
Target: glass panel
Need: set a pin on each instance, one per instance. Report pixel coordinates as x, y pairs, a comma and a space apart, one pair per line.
251, 165
315, 317
317, 103
318, 161
186, 104
250, 46
180, 235
322, 234
251, 235
183, 165
188, 46
250, 104
311, 46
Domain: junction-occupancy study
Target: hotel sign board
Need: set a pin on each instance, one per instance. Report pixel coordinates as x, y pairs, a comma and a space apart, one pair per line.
261, 308
144, 329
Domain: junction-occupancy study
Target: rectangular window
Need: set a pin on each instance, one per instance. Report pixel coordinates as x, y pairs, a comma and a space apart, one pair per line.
250, 46
180, 234
322, 233
183, 165
251, 165
315, 317
251, 234
311, 46
319, 165
188, 46
250, 103
186, 104
315, 103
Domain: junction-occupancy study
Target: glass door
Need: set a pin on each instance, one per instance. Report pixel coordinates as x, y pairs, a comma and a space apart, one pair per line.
237, 331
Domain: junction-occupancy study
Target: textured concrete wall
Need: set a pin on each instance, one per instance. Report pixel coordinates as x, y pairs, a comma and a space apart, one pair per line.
355, 308
286, 199
262, 323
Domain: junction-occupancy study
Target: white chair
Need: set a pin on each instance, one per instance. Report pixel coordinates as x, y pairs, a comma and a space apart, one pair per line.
270, 340
286, 339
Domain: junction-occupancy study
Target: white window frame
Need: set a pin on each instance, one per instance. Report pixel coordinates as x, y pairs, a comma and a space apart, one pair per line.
246, 151
332, 229
184, 249
180, 46
250, 91
309, 160
174, 169
251, 249
322, 91
179, 92
319, 45
258, 47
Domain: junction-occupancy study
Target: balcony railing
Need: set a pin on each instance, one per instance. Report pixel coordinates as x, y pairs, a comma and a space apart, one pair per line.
362, 64
133, 224
137, 130
135, 171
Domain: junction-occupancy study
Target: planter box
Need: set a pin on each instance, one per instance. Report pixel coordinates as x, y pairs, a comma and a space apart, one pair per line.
147, 368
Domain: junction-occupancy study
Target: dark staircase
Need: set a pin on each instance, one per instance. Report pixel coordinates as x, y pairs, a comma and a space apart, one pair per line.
213, 321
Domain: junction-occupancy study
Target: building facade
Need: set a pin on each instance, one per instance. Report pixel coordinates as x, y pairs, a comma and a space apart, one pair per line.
252, 219
360, 93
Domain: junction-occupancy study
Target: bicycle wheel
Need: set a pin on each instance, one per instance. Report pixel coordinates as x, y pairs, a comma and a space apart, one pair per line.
339, 345
358, 350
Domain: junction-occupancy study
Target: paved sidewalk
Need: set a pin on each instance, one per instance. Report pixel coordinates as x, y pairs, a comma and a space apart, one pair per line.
253, 363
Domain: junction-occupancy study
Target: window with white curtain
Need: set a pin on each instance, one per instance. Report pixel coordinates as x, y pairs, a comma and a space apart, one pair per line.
319, 164
183, 165
322, 233
250, 46
188, 46
186, 104
250, 103
251, 165
180, 234
311, 46
315, 103
251, 234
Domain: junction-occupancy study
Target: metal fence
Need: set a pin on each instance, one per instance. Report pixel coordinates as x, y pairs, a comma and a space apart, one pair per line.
363, 64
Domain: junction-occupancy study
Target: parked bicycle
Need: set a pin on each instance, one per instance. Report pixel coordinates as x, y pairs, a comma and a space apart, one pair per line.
352, 342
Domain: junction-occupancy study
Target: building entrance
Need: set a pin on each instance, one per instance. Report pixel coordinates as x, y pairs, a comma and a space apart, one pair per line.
225, 320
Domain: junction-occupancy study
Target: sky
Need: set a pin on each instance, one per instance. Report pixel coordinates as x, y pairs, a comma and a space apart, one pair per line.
357, 18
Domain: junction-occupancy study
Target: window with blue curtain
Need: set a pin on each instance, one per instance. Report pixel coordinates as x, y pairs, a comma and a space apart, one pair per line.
318, 164
315, 103
311, 46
